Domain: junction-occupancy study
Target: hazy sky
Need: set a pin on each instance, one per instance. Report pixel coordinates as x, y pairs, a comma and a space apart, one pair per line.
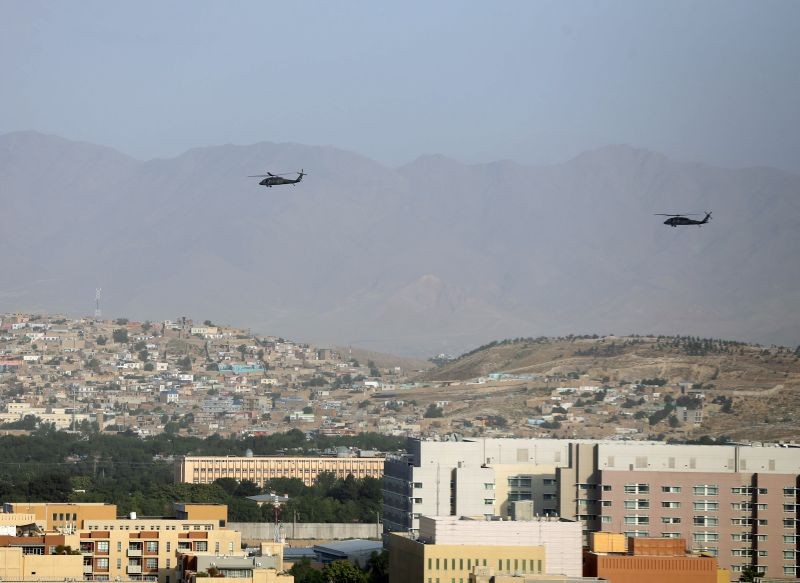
714, 81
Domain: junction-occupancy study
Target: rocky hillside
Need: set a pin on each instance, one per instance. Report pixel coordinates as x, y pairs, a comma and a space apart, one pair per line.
745, 391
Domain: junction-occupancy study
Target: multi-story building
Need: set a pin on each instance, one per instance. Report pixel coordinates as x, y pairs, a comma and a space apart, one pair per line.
116, 549
738, 503
260, 469
449, 548
147, 547
470, 477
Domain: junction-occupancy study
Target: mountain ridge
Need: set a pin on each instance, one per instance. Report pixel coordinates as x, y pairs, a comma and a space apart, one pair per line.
520, 249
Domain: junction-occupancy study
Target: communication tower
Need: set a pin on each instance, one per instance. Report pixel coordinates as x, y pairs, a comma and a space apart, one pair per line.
97, 313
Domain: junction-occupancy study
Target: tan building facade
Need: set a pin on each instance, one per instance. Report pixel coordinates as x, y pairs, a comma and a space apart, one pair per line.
63, 517
260, 469
17, 564
144, 547
412, 561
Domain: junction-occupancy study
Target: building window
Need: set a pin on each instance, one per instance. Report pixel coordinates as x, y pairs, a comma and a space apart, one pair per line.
671, 489
636, 519
745, 490
102, 564
706, 490
670, 520
151, 564
670, 504
202, 546
706, 505
705, 536
216, 547
713, 551
741, 537
102, 546
639, 504
152, 546
670, 535
637, 488
706, 521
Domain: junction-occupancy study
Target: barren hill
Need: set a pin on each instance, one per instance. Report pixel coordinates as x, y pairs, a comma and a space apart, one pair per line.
748, 392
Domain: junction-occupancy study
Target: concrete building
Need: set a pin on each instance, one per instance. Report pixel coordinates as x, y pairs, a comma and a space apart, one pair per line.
738, 503
449, 549
260, 469
470, 477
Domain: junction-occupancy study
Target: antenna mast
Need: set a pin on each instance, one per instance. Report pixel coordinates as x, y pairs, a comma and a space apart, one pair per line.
97, 312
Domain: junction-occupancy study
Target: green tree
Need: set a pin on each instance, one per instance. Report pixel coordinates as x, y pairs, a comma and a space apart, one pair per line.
379, 567
343, 572
101, 340
433, 411
120, 336
749, 573
303, 572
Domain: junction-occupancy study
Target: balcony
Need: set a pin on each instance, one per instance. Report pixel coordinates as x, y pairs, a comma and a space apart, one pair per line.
134, 552
134, 570
87, 569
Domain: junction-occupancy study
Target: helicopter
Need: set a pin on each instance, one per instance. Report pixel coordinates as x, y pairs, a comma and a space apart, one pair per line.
271, 180
675, 220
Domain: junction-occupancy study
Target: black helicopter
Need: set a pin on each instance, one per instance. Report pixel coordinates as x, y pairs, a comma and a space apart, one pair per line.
675, 220
271, 180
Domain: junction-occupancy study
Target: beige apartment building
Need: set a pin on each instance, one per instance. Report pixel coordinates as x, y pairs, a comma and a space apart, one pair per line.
117, 549
260, 469
149, 547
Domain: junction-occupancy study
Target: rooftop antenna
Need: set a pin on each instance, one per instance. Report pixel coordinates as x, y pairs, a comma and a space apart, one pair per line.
97, 312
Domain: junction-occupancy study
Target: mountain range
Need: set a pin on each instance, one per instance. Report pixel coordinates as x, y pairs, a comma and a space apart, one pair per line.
434, 256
